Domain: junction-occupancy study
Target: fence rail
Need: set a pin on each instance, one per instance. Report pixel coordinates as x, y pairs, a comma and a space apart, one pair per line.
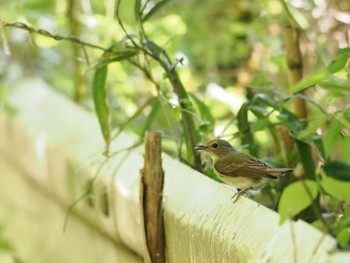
52, 149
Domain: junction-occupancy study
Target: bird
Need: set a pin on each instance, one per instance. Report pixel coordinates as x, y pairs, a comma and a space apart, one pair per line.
241, 170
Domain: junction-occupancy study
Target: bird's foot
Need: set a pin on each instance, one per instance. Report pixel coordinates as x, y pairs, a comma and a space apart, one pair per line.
236, 196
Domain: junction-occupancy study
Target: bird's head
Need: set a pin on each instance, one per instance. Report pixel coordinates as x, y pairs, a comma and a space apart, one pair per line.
216, 148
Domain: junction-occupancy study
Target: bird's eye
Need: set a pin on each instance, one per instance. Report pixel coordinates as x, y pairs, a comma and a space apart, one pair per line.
214, 145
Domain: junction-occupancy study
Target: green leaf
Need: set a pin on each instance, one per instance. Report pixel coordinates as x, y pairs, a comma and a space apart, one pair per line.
258, 110
319, 225
150, 117
335, 84
205, 128
99, 94
343, 238
317, 140
338, 64
345, 146
6, 246
312, 127
244, 128
341, 230
154, 10
259, 125
242, 117
310, 80
336, 188
343, 222
260, 81
111, 57
135, 115
345, 119
344, 51
306, 159
331, 137
203, 109
308, 100
292, 122
137, 10
338, 170
267, 100
296, 197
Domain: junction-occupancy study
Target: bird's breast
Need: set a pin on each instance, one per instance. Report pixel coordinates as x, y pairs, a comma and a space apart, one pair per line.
243, 183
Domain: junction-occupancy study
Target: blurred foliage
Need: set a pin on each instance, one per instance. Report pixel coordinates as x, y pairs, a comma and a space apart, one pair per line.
200, 69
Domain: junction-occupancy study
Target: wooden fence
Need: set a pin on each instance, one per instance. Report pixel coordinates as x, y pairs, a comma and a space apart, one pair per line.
51, 150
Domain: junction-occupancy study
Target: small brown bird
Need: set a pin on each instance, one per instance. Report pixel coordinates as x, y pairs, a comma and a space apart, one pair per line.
239, 169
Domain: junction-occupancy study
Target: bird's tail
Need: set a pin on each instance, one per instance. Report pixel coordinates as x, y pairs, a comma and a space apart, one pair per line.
276, 172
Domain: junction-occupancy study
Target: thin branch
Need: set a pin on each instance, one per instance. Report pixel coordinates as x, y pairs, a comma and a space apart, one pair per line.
120, 22
46, 33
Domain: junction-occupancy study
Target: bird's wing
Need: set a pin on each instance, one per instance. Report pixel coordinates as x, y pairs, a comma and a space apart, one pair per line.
244, 165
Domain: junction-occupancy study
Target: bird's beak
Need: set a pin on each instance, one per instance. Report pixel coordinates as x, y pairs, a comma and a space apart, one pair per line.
201, 147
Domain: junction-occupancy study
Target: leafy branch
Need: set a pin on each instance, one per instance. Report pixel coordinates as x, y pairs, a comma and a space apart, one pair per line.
153, 51
139, 45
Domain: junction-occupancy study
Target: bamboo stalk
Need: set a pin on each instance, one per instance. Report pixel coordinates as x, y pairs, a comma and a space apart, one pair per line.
295, 66
152, 181
75, 28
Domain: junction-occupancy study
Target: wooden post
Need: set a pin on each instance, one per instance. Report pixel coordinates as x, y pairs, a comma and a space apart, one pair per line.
152, 181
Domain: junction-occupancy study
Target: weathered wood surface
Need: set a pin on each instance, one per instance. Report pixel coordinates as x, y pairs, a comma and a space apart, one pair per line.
38, 181
152, 183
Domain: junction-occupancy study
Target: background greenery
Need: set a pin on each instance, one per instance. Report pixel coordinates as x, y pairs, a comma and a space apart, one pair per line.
201, 69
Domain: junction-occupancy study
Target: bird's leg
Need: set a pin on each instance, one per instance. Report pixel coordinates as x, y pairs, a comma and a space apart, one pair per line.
238, 194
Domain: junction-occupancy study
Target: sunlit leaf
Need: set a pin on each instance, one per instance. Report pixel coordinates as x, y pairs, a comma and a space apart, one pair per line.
336, 188
335, 84
258, 110
345, 119
343, 238
344, 51
116, 56
343, 222
312, 127
99, 93
296, 197
260, 80
310, 80
331, 137
308, 100
345, 148
134, 116
154, 10
205, 127
203, 109
150, 117
259, 125
292, 122
267, 100
137, 10
317, 140
319, 225
338, 170
338, 64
